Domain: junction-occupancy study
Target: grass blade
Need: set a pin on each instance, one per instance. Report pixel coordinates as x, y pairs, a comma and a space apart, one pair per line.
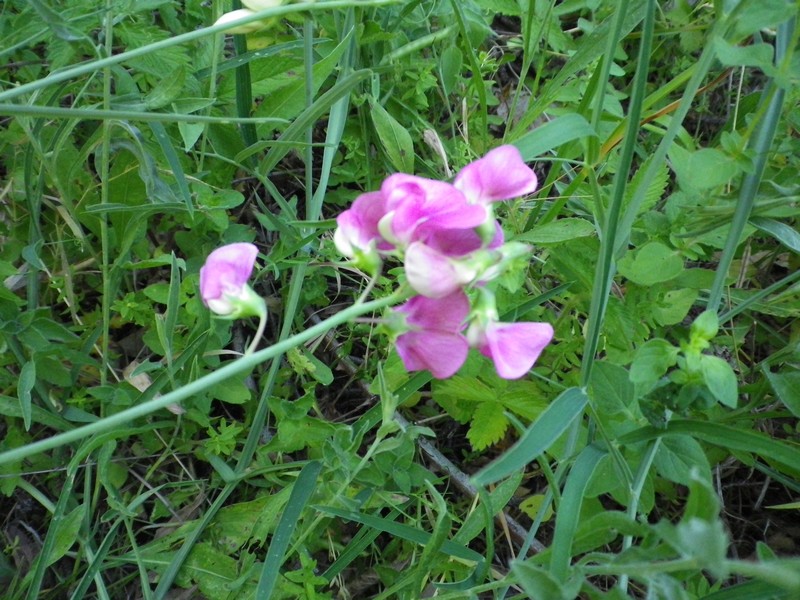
541, 434
301, 492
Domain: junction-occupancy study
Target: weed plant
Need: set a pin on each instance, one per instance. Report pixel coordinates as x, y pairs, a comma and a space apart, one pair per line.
152, 450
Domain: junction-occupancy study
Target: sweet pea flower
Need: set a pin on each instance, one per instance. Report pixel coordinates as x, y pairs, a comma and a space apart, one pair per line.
417, 208
432, 337
434, 274
500, 175
357, 236
513, 347
223, 282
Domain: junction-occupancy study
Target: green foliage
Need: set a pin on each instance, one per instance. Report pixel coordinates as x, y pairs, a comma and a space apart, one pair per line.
665, 243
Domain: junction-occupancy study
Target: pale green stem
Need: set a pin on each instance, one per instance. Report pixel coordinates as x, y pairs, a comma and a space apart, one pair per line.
635, 496
109, 61
262, 323
199, 385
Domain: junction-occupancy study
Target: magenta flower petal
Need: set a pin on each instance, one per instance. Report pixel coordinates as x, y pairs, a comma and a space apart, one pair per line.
421, 206
459, 242
500, 175
514, 347
358, 225
226, 272
440, 353
434, 341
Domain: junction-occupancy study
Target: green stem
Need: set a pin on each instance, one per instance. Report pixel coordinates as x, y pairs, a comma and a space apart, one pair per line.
105, 242
96, 65
199, 385
56, 112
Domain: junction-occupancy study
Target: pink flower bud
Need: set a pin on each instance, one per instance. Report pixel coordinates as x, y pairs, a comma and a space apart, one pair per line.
223, 282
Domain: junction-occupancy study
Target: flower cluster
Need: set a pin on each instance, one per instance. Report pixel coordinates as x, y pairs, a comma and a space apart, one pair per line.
449, 242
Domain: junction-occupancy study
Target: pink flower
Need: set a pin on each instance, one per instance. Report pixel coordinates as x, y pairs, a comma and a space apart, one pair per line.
223, 281
433, 338
434, 274
358, 226
513, 347
419, 207
500, 175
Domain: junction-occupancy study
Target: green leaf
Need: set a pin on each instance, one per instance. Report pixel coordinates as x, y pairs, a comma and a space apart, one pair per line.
705, 326
786, 385
537, 438
554, 134
395, 139
674, 305
677, 456
167, 90
754, 55
27, 379
777, 452
488, 425
232, 391
539, 583
558, 231
611, 388
652, 263
703, 169
66, 532
754, 16
652, 360
450, 68
301, 492
720, 379
780, 231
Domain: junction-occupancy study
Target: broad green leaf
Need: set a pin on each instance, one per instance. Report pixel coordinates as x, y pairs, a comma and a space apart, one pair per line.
677, 456
558, 231
539, 583
537, 438
754, 16
611, 388
395, 139
753, 55
652, 360
168, 89
777, 452
554, 134
786, 385
703, 169
652, 263
450, 68
720, 379
232, 391
66, 532
674, 305
488, 425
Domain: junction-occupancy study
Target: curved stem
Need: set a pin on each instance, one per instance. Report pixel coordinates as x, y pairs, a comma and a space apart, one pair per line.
246, 362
